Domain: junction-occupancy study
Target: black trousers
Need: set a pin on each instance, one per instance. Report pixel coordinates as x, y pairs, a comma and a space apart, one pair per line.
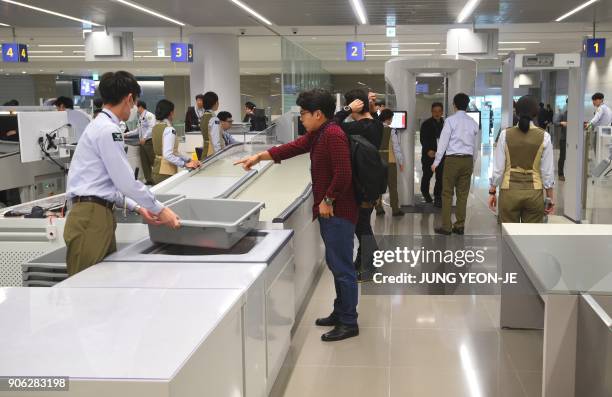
427, 162
367, 242
562, 150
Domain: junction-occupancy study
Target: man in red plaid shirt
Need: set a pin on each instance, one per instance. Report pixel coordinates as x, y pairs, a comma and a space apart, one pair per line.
335, 205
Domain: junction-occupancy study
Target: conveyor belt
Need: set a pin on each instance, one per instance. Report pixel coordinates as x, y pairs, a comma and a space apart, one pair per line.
279, 186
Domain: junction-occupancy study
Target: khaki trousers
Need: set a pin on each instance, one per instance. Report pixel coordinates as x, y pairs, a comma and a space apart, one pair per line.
89, 235
147, 159
521, 206
456, 180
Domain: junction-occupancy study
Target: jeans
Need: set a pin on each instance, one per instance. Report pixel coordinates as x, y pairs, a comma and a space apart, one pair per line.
337, 234
365, 236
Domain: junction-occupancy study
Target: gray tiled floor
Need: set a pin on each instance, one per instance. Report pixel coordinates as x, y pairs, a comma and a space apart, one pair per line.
416, 345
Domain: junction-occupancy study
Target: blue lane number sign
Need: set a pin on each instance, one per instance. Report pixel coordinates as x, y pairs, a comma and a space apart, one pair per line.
181, 52
355, 51
596, 48
14, 52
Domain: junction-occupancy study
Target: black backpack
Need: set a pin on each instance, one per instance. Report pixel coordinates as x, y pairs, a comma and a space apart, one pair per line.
369, 170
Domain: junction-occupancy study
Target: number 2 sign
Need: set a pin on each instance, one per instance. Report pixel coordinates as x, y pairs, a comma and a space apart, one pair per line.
355, 51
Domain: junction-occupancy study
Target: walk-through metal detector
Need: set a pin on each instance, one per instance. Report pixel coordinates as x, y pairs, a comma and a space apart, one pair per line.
401, 76
574, 192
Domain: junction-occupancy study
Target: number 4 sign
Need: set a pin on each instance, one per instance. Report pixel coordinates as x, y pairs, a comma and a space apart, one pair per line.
14, 52
355, 51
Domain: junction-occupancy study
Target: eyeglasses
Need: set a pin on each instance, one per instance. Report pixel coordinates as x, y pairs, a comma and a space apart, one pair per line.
303, 112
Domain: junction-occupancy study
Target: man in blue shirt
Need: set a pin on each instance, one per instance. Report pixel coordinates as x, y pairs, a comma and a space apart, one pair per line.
101, 178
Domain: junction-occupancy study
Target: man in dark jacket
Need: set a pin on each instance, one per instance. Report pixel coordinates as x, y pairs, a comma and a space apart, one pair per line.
194, 114
430, 133
372, 129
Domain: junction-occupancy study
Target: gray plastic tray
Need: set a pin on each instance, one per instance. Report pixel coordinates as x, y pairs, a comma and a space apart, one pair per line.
209, 223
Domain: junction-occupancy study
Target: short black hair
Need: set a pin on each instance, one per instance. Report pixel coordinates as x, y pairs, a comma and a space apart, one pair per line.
97, 103
210, 99
64, 100
317, 99
142, 104
114, 86
200, 96
224, 116
461, 101
385, 114
358, 94
437, 105
250, 105
12, 102
163, 109
598, 95
380, 103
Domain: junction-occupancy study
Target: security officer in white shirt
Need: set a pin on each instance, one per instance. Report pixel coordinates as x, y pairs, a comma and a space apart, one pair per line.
603, 114
100, 177
144, 132
460, 141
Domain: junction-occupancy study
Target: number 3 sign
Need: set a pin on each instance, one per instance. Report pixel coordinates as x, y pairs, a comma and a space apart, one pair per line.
355, 51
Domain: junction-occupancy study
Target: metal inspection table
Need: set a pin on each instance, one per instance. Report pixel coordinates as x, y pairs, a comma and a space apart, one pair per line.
555, 264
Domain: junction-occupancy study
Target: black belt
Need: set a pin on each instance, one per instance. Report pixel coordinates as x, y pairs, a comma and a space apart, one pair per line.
93, 199
459, 155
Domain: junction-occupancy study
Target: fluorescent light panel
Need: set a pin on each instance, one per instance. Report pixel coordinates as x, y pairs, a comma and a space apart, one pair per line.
520, 42
4, 24
251, 11
511, 49
575, 10
390, 43
406, 50
57, 56
467, 10
149, 11
359, 11
389, 55
61, 45
45, 52
57, 14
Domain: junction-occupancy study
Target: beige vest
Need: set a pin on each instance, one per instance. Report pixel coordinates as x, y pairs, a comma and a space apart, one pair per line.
161, 165
386, 146
523, 159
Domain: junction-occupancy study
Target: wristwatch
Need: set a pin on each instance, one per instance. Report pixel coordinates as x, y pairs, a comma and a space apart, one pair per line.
347, 109
492, 192
329, 201
137, 208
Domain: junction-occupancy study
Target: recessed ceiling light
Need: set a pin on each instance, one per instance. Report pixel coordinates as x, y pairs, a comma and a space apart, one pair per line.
575, 10
520, 42
4, 24
359, 11
24, 72
57, 14
149, 11
467, 10
251, 11
61, 45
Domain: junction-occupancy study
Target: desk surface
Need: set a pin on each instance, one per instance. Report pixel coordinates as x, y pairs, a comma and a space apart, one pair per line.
167, 275
564, 259
106, 333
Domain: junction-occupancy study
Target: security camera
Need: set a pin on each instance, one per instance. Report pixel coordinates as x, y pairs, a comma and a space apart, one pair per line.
242, 32
294, 30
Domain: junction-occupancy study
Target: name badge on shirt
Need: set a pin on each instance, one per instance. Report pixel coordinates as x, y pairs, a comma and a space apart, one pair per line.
216, 121
117, 137
174, 132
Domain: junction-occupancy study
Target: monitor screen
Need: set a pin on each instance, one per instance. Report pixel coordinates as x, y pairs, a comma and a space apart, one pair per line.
422, 88
88, 87
475, 114
400, 120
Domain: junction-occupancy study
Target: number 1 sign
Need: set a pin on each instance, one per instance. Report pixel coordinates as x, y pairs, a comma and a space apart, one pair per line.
355, 51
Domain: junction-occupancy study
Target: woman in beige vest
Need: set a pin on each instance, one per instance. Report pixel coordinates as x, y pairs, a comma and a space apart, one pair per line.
523, 169
167, 157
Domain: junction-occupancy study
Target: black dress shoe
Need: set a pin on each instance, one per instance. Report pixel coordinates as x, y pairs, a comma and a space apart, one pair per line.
399, 213
444, 232
438, 203
364, 276
458, 230
340, 332
380, 212
427, 198
329, 321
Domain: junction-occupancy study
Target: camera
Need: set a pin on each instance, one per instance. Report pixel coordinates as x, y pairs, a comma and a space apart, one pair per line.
242, 32
294, 30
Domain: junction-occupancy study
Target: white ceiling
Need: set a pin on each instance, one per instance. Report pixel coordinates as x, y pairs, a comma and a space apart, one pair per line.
323, 26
